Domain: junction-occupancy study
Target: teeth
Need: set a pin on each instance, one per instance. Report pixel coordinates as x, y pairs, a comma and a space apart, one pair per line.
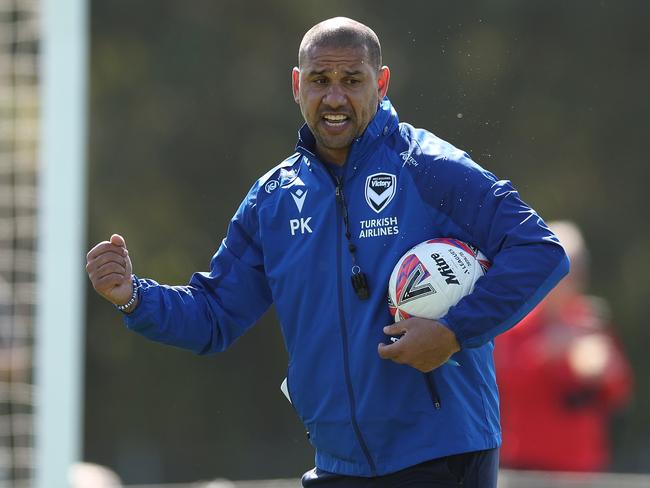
335, 118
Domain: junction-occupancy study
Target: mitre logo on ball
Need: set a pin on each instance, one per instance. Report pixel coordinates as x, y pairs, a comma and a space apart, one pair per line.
434, 276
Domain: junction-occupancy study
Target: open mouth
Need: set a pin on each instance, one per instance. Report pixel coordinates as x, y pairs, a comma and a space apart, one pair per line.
335, 120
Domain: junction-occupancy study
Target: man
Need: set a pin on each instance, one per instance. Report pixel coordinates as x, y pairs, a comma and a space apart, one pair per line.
561, 375
318, 235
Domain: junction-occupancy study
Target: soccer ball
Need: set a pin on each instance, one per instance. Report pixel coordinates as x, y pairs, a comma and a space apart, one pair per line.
432, 277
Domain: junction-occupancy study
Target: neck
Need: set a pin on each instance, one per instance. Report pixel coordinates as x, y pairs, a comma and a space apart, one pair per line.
332, 156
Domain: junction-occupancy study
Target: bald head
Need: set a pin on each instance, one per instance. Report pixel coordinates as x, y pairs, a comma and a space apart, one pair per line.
576, 282
572, 240
341, 32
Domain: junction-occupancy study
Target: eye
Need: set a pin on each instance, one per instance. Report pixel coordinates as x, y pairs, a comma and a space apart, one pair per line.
320, 81
353, 81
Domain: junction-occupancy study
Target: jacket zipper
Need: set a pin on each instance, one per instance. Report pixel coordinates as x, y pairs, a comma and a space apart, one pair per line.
433, 390
344, 336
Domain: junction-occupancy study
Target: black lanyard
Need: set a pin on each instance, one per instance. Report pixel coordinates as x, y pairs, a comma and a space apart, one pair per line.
358, 277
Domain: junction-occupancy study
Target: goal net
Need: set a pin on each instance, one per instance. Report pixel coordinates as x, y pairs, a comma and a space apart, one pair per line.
19, 128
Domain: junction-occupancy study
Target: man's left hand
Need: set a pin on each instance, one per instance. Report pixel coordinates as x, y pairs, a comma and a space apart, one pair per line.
424, 345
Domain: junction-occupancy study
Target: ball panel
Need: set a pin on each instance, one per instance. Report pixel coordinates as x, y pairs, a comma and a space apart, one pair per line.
434, 276
410, 273
455, 243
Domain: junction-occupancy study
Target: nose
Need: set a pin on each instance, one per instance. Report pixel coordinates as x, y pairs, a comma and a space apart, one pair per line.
335, 96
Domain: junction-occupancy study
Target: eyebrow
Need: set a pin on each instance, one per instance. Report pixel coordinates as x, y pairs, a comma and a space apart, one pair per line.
323, 71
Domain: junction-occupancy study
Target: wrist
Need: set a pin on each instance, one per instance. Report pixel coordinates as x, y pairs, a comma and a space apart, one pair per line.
450, 337
455, 343
133, 306
134, 300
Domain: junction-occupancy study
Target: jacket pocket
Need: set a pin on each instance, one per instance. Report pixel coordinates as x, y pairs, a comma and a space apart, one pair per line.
432, 389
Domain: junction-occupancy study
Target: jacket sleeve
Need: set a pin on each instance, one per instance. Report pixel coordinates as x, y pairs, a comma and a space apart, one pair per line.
527, 259
215, 308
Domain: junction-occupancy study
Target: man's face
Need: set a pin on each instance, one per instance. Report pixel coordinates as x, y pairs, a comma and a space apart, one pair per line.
338, 92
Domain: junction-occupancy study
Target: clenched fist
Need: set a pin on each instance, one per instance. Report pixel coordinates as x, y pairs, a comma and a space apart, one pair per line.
109, 269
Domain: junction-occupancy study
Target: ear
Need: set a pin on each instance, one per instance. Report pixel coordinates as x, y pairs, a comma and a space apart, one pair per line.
382, 81
295, 84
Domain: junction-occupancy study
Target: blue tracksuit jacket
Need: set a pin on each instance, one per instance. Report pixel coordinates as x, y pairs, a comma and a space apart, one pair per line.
286, 244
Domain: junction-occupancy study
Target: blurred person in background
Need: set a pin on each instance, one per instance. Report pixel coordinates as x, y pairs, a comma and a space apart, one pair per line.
90, 475
561, 375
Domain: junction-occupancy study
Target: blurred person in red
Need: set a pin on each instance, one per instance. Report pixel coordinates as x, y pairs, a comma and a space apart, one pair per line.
561, 374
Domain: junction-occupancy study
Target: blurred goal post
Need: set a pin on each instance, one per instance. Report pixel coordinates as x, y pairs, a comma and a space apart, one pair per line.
61, 240
19, 126
42, 179
42, 133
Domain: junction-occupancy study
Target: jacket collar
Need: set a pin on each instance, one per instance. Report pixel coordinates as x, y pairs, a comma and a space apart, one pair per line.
382, 125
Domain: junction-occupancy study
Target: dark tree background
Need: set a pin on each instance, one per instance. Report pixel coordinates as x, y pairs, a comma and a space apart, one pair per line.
190, 103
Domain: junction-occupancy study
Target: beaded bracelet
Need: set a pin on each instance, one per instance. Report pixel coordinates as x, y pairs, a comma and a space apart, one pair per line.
134, 295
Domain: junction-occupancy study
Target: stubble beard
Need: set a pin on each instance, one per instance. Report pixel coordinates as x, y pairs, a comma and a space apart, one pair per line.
334, 142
